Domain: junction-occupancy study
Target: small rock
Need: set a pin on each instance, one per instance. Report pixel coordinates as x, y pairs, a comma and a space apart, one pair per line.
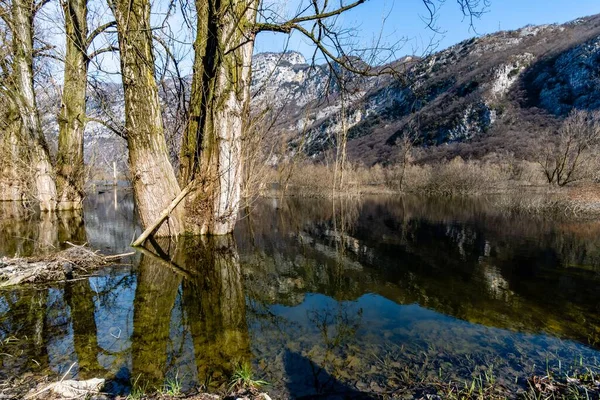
376, 388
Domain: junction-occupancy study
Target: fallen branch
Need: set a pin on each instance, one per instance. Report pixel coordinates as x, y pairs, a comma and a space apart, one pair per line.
163, 215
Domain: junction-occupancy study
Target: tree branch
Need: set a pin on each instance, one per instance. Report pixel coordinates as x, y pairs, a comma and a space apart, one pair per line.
119, 132
98, 31
164, 215
102, 50
286, 27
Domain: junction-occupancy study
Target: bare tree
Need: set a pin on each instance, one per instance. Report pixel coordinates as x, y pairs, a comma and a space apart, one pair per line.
70, 169
406, 144
567, 157
211, 161
154, 181
24, 131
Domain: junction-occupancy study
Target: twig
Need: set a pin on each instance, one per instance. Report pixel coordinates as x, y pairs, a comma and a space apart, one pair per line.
131, 253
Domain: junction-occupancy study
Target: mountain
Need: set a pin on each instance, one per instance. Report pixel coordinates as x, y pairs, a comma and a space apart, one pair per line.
491, 93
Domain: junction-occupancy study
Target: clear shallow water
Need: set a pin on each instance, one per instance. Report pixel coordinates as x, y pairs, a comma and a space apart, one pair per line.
322, 297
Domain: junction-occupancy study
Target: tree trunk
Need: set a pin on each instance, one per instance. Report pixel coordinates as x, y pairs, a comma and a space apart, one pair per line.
24, 99
12, 185
154, 181
219, 111
71, 119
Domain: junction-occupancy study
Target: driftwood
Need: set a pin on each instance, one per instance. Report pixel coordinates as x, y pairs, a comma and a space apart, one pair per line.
71, 389
73, 262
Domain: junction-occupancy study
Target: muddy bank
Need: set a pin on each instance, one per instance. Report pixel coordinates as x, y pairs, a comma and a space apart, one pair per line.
583, 385
30, 386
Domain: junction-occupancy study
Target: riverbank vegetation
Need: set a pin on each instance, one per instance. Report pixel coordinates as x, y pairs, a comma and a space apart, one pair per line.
519, 186
561, 175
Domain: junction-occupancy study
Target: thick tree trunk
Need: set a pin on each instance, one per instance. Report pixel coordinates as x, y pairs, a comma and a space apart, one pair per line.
24, 100
154, 181
71, 119
12, 185
190, 146
220, 100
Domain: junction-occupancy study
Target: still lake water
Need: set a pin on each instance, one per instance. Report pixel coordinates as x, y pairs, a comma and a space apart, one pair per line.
320, 296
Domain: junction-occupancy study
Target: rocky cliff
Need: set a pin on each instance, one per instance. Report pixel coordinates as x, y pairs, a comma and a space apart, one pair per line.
489, 93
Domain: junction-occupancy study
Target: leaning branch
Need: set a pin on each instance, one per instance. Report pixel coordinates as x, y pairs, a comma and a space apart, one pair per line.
164, 215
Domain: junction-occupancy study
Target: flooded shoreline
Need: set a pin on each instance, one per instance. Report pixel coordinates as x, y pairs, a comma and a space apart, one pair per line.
320, 296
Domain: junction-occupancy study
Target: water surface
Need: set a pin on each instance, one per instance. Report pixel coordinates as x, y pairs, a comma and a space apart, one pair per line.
320, 296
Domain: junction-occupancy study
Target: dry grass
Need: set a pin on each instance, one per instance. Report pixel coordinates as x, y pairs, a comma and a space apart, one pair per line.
456, 177
520, 185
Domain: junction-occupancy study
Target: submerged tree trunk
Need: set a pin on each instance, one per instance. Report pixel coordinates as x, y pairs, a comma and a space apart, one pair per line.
71, 119
211, 148
30, 130
154, 181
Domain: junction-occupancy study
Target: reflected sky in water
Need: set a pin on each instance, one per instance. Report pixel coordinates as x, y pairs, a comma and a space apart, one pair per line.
322, 297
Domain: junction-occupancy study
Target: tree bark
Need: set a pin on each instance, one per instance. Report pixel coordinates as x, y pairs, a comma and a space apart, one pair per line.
12, 185
220, 98
24, 100
71, 119
154, 181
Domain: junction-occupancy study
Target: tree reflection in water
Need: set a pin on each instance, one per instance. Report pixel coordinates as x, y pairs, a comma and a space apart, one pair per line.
189, 300
320, 296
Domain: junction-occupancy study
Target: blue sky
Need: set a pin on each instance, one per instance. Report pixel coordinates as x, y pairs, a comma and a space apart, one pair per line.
405, 21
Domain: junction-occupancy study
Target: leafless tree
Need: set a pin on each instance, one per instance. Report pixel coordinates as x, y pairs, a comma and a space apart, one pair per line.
567, 156
406, 144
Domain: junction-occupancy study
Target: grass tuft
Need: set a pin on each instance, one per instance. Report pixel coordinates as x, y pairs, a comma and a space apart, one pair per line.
243, 378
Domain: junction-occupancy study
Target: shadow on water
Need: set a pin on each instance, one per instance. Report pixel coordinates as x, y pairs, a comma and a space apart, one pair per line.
325, 299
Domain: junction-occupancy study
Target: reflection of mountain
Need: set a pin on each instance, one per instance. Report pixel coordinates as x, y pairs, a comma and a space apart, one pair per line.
478, 267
